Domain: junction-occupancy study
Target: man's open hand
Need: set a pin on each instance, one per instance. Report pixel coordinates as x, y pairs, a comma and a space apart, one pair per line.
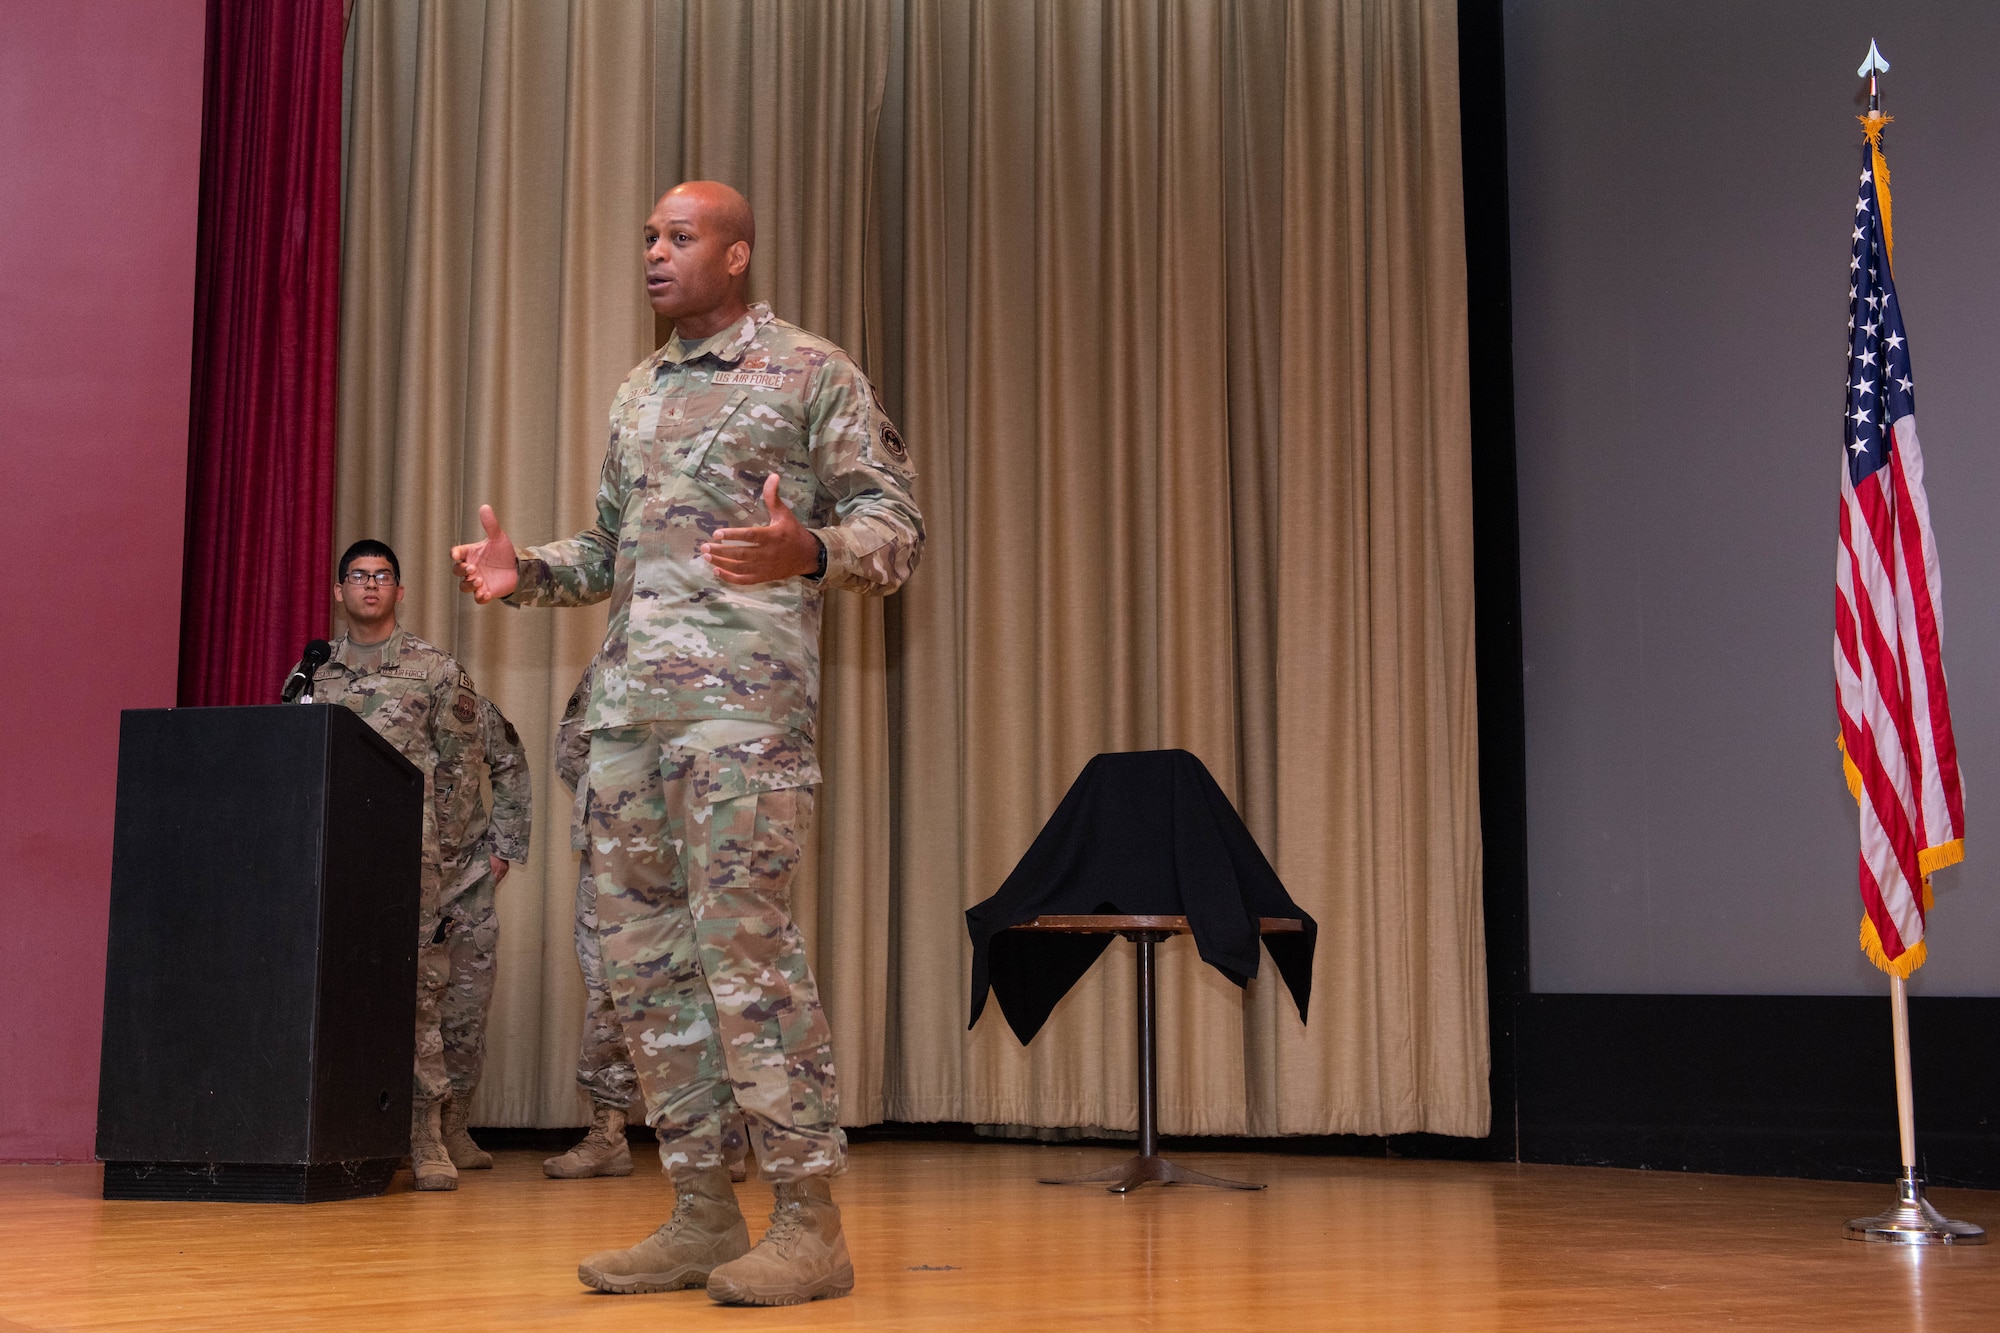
487, 569
781, 549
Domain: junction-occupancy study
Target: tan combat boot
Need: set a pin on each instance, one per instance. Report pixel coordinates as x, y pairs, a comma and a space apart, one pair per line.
707, 1229
603, 1151
429, 1162
803, 1256
464, 1153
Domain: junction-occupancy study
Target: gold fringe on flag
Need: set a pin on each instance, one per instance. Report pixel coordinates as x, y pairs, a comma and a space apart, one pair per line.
1853, 773
1909, 961
1933, 859
1871, 126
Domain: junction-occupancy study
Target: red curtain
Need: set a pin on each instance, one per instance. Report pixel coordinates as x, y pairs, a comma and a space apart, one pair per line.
257, 579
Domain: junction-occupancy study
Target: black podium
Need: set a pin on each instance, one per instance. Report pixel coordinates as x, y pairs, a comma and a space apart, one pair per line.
260, 979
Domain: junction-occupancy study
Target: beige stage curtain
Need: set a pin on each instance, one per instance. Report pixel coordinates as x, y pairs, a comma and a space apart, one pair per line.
501, 159
1177, 333
1184, 297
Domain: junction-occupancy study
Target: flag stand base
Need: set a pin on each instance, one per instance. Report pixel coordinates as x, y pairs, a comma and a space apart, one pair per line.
1914, 1222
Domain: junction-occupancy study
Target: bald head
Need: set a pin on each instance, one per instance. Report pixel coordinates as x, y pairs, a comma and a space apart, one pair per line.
698, 242
718, 205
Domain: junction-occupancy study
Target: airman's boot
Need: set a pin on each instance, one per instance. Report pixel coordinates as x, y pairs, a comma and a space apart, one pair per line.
707, 1229
464, 1153
603, 1151
429, 1162
802, 1257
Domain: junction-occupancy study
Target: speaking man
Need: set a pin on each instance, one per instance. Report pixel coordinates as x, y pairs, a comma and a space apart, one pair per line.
421, 701
750, 469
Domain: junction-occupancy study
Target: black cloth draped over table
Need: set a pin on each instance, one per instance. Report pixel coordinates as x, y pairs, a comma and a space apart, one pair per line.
1147, 833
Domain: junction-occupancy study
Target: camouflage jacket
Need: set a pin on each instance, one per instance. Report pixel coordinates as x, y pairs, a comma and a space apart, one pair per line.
471, 833
421, 701
694, 432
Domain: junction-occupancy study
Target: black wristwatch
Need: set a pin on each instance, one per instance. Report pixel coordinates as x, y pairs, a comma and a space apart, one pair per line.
820, 571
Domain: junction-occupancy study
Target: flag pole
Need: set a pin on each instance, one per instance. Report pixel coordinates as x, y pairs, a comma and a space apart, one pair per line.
1912, 1220
1906, 1113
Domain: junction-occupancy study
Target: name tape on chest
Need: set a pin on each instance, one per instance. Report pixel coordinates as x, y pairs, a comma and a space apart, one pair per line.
755, 379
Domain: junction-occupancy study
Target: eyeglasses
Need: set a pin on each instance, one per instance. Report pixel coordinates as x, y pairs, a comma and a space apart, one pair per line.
361, 578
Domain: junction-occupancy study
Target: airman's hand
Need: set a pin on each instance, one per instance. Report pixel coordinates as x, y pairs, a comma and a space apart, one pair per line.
783, 548
487, 569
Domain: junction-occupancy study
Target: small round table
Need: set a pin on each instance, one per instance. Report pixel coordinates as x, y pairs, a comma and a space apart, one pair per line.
1146, 932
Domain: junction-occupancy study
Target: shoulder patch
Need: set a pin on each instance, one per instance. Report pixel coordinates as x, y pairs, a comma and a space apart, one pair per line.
513, 737
575, 706
892, 444
464, 709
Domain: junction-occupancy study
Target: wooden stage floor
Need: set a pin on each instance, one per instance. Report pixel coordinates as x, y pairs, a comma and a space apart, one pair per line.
961, 1236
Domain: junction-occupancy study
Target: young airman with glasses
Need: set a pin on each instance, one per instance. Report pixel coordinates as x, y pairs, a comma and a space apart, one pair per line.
420, 700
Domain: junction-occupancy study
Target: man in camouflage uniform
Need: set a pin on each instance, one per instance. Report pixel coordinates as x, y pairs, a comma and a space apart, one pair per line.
423, 703
603, 1065
480, 844
702, 726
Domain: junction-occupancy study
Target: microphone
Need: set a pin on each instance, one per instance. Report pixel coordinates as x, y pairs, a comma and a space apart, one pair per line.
300, 681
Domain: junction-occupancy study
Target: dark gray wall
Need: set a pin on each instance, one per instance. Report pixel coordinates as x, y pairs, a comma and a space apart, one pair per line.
1681, 178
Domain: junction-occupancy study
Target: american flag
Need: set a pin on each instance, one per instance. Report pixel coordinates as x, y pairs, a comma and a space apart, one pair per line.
1895, 722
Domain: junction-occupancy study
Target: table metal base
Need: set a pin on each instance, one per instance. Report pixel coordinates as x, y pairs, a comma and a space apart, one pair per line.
1133, 1172
1913, 1221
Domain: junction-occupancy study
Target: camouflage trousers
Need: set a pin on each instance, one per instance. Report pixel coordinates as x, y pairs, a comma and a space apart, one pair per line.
603, 1065
708, 971
429, 1082
471, 939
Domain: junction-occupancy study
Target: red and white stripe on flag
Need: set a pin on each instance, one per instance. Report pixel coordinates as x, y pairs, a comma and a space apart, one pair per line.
1895, 715
1895, 719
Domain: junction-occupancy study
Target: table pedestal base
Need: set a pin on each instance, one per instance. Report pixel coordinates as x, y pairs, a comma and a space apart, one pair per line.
1135, 1171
